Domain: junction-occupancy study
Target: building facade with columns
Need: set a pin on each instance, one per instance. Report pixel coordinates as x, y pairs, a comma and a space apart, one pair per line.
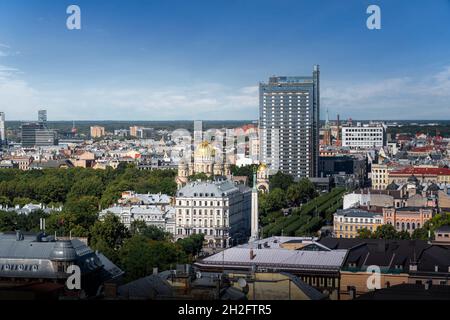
407, 218
220, 210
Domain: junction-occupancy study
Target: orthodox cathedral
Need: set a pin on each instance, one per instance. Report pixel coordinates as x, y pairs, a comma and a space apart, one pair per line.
205, 160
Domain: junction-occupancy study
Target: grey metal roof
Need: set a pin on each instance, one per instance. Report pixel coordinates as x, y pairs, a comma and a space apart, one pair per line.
149, 287
278, 258
207, 189
352, 212
149, 199
32, 256
276, 241
445, 228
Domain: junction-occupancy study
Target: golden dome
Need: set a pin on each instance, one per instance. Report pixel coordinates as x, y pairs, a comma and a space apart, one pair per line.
205, 149
262, 167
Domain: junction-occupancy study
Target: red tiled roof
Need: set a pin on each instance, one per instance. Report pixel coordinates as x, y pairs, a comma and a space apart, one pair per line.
421, 171
423, 149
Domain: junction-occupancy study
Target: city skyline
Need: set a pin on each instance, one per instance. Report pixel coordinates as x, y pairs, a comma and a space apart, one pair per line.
173, 60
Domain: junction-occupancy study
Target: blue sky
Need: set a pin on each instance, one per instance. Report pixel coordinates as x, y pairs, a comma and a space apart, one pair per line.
203, 59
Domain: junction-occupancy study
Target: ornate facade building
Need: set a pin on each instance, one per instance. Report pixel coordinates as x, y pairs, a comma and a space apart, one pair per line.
205, 160
408, 218
219, 209
262, 178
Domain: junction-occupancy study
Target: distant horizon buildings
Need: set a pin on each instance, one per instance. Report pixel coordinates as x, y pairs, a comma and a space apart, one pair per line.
289, 116
36, 134
42, 116
97, 131
2, 129
364, 135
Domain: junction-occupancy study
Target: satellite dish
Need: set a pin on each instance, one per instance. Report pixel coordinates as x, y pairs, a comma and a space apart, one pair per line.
242, 283
198, 275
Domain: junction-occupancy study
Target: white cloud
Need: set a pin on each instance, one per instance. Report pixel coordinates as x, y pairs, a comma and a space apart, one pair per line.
207, 101
396, 98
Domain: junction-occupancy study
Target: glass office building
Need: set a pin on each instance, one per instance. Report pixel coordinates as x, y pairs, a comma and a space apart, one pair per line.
37, 135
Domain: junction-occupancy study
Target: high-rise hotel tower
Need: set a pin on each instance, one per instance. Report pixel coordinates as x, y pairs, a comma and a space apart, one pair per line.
289, 109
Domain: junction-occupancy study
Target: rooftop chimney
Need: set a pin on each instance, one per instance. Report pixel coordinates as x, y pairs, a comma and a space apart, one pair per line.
19, 235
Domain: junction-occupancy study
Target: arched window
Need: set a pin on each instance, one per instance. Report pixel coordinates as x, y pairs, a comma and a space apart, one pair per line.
403, 226
407, 226
413, 226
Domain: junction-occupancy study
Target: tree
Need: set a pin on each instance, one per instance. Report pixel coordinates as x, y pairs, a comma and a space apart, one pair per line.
138, 256
150, 232
50, 189
192, 245
386, 231
300, 192
8, 221
244, 171
135, 258
437, 221
78, 215
403, 235
276, 199
108, 235
22, 201
280, 180
4, 201
92, 186
308, 190
420, 234
365, 233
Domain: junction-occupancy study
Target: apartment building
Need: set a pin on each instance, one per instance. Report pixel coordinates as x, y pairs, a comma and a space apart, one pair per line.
219, 209
347, 223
